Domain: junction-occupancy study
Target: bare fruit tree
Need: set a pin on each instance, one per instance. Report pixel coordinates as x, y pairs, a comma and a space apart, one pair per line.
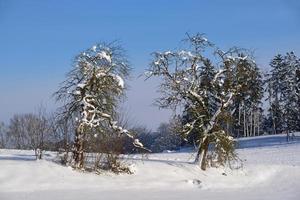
183, 85
91, 93
29, 131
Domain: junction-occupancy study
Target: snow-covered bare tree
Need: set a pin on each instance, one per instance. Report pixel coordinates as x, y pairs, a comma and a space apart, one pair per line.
209, 101
37, 128
246, 108
29, 131
91, 93
16, 131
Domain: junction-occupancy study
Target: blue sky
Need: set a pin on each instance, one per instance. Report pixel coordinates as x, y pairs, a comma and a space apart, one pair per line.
38, 40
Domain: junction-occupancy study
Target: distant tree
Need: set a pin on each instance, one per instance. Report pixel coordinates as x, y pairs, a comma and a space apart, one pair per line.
91, 93
274, 92
16, 132
29, 131
37, 128
167, 138
290, 93
3, 136
283, 93
62, 134
182, 75
247, 111
61, 137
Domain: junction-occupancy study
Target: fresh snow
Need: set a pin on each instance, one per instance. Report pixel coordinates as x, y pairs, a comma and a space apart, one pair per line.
81, 85
94, 48
270, 171
119, 80
104, 55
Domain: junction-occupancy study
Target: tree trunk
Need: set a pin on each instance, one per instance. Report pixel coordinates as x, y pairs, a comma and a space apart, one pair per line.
78, 155
245, 133
254, 122
271, 110
258, 126
239, 123
202, 152
251, 123
246, 124
203, 148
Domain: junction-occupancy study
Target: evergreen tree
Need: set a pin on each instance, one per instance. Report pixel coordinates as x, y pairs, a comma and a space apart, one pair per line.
247, 109
290, 96
274, 92
283, 89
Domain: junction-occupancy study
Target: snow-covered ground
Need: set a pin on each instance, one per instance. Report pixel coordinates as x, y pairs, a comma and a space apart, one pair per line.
271, 170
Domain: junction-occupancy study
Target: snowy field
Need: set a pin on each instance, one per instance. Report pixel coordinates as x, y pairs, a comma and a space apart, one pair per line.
271, 170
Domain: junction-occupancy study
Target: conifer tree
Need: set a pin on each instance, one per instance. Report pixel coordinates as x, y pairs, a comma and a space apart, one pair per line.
283, 87
247, 109
274, 92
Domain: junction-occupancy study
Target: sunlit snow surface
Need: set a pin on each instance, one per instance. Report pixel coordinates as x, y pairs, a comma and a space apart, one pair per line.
271, 170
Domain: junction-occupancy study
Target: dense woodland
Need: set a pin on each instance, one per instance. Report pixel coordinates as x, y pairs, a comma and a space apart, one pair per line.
223, 95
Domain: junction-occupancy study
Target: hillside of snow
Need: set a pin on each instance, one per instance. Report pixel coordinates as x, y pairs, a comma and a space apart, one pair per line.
271, 170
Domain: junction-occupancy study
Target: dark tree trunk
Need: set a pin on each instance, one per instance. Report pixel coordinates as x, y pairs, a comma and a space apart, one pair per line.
78, 153
202, 153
